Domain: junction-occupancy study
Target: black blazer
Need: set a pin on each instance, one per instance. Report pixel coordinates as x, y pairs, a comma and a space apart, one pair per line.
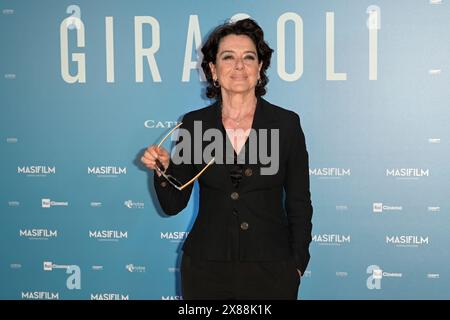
273, 212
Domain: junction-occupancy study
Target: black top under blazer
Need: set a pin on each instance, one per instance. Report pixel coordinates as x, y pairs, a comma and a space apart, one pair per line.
269, 216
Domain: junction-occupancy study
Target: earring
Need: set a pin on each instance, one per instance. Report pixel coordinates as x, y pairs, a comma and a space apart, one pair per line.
258, 83
216, 83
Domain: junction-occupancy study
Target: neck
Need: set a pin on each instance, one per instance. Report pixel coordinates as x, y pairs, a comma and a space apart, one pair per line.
234, 105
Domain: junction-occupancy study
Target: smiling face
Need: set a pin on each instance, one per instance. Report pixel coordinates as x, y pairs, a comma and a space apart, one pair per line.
237, 67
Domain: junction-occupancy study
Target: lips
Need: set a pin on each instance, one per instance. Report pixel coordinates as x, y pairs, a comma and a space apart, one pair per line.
239, 78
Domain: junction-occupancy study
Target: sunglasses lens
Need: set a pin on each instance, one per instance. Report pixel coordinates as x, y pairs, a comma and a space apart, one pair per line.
174, 181
160, 165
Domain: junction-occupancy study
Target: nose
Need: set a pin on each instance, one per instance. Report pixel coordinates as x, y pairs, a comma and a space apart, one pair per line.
239, 64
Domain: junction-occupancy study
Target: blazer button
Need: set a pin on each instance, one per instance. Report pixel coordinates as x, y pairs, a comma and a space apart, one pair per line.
248, 172
164, 184
244, 226
235, 212
235, 196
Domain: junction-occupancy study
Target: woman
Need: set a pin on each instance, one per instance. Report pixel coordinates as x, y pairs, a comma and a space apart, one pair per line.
251, 237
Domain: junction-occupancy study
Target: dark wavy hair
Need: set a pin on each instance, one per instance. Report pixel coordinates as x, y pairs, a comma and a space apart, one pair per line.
249, 28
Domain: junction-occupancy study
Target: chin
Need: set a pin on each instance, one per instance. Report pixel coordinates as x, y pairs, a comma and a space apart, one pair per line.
236, 91
241, 88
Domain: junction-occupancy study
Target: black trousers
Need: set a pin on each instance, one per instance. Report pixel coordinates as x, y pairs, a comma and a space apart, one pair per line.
238, 280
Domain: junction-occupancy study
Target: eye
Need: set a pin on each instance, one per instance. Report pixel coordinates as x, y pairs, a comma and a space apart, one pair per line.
227, 57
250, 57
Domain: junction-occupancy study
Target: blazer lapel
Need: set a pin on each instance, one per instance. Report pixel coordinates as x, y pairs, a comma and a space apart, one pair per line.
262, 120
219, 170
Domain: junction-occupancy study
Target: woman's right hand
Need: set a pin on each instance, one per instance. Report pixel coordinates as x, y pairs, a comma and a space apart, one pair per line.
153, 153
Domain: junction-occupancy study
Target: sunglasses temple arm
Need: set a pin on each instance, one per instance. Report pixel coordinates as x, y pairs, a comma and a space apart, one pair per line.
168, 135
197, 175
169, 181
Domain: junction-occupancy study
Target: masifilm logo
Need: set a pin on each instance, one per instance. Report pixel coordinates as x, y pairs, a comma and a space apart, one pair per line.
39, 295
108, 235
330, 173
176, 236
109, 296
107, 171
171, 297
407, 173
407, 240
38, 234
36, 171
376, 275
331, 239
74, 271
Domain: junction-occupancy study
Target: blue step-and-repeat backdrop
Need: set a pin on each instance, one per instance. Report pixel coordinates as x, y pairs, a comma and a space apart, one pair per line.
87, 85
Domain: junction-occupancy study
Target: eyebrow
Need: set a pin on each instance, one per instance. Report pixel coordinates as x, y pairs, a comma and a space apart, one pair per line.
231, 51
